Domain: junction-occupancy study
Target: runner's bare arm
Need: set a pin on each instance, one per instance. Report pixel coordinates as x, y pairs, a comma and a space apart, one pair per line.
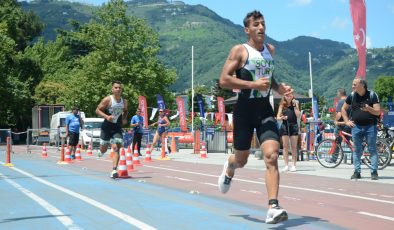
234, 61
101, 108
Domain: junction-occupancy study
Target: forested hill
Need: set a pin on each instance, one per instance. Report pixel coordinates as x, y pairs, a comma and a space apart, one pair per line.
181, 26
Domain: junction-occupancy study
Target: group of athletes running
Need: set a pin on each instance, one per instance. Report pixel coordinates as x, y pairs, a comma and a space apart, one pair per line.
253, 65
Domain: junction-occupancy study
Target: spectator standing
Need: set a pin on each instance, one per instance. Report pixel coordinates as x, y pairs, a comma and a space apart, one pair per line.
364, 109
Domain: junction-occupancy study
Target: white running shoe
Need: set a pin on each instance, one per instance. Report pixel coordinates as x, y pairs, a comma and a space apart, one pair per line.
224, 181
276, 214
285, 169
114, 174
293, 168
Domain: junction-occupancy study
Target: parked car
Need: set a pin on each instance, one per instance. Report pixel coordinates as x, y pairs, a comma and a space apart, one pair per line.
91, 132
58, 126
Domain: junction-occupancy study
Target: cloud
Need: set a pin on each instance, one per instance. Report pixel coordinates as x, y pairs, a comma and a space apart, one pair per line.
369, 42
391, 8
315, 34
300, 2
339, 23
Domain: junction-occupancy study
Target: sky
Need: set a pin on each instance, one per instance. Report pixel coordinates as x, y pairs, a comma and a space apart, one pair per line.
324, 19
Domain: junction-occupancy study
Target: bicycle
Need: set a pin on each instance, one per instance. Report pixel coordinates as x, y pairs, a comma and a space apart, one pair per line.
329, 152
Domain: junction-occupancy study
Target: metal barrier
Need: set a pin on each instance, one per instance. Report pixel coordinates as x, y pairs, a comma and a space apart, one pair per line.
217, 142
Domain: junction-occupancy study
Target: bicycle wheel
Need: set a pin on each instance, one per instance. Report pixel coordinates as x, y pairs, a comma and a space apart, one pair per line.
329, 154
384, 155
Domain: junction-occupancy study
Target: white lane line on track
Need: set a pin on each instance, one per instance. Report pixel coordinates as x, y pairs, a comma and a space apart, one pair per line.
210, 184
376, 215
178, 178
282, 186
129, 219
250, 191
65, 220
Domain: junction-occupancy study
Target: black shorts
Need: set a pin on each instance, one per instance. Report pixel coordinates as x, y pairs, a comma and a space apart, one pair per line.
73, 138
111, 131
253, 114
291, 130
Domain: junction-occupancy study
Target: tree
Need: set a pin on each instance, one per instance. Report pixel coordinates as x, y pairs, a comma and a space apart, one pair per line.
112, 46
18, 72
384, 87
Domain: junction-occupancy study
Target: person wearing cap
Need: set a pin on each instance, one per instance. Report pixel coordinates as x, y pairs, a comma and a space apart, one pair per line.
73, 125
161, 123
137, 122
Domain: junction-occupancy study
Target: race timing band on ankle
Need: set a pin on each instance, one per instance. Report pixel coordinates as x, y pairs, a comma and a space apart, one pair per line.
273, 201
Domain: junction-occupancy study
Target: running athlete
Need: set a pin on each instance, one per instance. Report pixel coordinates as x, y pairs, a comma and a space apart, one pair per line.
113, 109
161, 123
253, 65
288, 112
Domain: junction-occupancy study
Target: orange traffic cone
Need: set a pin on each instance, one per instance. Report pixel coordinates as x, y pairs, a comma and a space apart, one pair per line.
78, 156
122, 165
111, 155
147, 154
44, 150
173, 145
136, 157
129, 160
163, 156
203, 150
89, 152
67, 158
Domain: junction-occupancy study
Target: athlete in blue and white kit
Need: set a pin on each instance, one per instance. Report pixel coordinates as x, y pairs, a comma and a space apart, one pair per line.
253, 66
113, 109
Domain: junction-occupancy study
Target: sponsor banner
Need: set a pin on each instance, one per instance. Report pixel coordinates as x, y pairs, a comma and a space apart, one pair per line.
182, 113
143, 106
222, 112
160, 102
200, 105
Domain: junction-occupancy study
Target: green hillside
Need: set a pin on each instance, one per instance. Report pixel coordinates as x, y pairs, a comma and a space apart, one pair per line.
182, 26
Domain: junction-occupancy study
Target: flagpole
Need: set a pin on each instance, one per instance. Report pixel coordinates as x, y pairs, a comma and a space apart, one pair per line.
192, 89
310, 74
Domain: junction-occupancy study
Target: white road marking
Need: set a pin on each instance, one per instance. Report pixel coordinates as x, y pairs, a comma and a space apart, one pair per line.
386, 196
291, 198
377, 216
65, 220
178, 178
372, 194
282, 186
129, 219
250, 191
215, 185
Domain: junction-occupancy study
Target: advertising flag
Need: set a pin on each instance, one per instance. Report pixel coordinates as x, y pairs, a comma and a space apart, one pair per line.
358, 12
160, 102
200, 105
182, 114
222, 112
142, 105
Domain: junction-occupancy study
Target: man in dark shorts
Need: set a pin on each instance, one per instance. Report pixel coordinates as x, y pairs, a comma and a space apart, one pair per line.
113, 109
253, 65
73, 124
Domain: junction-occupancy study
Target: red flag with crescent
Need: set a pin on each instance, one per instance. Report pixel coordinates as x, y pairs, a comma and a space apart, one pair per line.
142, 105
182, 113
358, 12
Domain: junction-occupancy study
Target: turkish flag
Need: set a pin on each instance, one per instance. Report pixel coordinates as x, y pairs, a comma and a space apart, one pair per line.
358, 12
